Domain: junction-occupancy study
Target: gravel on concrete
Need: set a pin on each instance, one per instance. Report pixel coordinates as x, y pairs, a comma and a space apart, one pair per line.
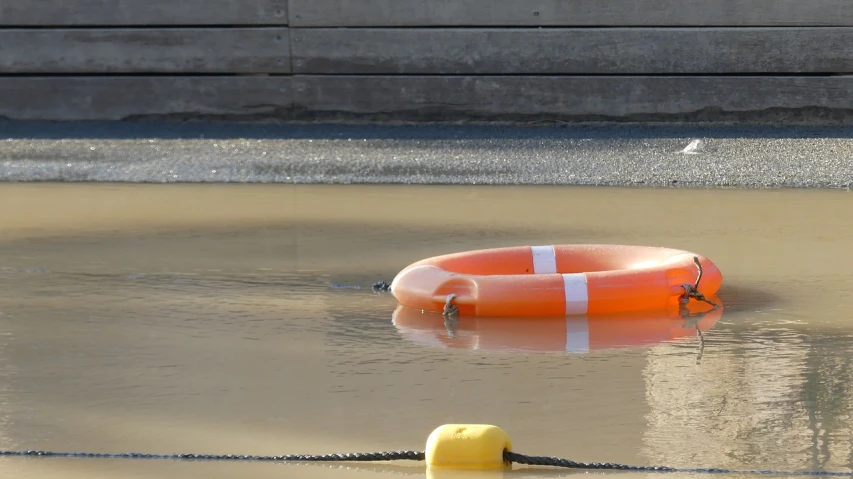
616, 155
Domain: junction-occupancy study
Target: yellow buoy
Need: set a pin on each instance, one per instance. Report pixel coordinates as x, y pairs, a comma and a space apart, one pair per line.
467, 446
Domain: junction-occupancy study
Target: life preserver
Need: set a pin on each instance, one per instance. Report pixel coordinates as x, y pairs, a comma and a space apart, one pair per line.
573, 334
554, 280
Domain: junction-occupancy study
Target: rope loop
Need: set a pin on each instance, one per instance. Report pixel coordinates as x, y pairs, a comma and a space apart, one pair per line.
450, 309
692, 290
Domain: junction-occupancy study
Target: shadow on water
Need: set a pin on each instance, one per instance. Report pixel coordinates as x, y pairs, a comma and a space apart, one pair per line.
129, 130
742, 297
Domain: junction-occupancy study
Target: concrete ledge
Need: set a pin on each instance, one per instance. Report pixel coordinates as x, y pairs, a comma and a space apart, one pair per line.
123, 97
649, 13
573, 98
528, 52
415, 61
23, 13
391, 98
177, 51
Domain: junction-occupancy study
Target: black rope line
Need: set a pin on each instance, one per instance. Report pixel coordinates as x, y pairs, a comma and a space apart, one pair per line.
566, 463
348, 457
509, 457
377, 287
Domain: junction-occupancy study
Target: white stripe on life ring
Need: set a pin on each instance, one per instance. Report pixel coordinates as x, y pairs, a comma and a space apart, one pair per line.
544, 260
577, 295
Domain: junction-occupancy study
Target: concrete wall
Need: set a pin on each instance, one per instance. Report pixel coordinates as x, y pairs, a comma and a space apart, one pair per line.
426, 59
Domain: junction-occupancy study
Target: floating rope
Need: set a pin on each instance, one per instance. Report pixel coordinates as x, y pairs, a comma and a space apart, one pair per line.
566, 463
348, 457
509, 457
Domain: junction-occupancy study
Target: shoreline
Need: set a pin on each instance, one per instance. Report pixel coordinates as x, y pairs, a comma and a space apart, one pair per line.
628, 155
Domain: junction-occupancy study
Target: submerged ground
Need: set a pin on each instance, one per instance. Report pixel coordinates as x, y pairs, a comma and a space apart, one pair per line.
210, 318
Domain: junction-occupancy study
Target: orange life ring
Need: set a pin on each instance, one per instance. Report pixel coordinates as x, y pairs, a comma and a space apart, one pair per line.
554, 280
574, 334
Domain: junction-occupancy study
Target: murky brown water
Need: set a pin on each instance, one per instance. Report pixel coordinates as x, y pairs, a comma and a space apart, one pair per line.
202, 319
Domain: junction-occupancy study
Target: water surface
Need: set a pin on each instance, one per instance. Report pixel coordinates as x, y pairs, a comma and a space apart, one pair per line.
174, 319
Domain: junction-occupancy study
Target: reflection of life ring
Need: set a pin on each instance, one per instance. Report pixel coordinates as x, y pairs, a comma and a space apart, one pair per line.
554, 280
554, 333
